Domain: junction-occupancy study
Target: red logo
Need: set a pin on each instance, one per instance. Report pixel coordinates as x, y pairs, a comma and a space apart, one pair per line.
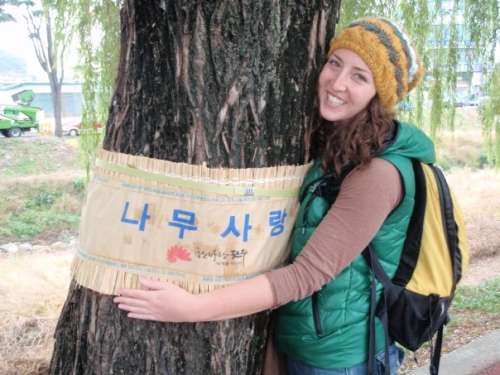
177, 252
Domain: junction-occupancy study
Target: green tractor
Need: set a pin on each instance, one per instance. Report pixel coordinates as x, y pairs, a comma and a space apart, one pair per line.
21, 117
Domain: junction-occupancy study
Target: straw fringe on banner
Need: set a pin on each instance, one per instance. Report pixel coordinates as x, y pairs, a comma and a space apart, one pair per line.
200, 228
268, 181
90, 273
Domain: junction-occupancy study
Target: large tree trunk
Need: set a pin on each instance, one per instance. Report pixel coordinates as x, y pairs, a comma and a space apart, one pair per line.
226, 83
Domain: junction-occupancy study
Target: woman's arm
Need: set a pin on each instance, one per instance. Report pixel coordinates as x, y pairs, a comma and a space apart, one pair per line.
366, 198
167, 302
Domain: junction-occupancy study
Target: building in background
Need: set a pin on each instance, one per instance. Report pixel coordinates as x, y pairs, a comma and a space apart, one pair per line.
469, 71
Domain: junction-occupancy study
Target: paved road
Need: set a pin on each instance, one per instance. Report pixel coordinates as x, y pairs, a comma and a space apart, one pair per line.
479, 357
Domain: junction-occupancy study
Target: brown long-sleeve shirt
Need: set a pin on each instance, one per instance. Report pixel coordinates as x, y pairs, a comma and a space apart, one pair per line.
367, 196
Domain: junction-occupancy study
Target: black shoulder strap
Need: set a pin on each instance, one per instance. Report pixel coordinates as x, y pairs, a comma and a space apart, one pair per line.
411, 247
375, 266
450, 225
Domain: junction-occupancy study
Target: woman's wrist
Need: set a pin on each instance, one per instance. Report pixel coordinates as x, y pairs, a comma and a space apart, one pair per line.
203, 308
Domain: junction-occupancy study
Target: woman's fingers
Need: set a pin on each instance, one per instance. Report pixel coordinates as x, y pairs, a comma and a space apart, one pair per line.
134, 293
134, 309
130, 301
162, 301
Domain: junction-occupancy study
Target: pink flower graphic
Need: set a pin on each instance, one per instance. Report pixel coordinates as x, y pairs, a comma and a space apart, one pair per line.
177, 252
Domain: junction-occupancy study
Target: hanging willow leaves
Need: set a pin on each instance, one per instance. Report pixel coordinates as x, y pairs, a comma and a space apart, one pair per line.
351, 10
438, 61
416, 20
490, 116
451, 65
484, 29
98, 21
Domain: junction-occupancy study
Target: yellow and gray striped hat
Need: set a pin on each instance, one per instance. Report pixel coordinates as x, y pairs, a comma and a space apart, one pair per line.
387, 51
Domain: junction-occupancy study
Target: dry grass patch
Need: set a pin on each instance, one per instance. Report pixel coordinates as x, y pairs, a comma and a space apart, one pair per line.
478, 192
32, 291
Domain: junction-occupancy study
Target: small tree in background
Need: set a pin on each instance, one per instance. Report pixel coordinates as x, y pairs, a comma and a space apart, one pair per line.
49, 28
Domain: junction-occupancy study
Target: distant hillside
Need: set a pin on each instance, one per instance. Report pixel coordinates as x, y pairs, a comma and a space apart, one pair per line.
11, 65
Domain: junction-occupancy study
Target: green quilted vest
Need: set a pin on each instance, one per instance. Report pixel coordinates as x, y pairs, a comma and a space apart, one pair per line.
330, 328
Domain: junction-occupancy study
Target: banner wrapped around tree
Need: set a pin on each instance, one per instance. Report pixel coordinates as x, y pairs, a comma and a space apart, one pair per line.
196, 226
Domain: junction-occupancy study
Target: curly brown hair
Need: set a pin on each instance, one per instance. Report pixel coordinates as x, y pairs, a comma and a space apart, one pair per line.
355, 141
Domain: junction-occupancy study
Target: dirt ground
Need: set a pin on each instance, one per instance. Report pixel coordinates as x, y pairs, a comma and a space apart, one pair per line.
481, 270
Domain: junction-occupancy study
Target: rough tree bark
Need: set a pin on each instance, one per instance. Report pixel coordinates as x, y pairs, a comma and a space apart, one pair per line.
226, 83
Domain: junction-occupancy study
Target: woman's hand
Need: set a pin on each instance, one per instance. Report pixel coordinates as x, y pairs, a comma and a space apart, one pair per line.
166, 302
158, 300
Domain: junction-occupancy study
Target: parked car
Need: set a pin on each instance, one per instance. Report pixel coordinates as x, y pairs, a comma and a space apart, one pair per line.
72, 129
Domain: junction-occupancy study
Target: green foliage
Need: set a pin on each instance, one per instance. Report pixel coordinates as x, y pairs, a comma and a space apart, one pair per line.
27, 213
416, 19
490, 118
485, 298
437, 58
483, 26
351, 10
22, 167
42, 199
79, 185
98, 69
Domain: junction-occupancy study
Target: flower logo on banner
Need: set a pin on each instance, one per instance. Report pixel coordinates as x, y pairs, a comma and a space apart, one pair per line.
177, 252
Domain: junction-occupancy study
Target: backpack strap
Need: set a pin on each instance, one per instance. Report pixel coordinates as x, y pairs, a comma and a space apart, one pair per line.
450, 225
451, 231
436, 355
326, 186
377, 273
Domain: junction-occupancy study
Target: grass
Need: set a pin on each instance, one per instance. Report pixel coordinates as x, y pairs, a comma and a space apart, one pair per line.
36, 155
462, 147
28, 211
40, 193
484, 298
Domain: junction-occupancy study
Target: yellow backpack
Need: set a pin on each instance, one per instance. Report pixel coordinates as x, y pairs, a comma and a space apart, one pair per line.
415, 302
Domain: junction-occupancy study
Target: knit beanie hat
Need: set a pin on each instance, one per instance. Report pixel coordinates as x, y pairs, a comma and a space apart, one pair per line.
387, 51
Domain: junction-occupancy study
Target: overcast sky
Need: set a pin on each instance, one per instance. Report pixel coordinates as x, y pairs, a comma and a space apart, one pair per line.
14, 40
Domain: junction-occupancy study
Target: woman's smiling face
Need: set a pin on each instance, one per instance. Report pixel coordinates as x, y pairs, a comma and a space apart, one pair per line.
345, 86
